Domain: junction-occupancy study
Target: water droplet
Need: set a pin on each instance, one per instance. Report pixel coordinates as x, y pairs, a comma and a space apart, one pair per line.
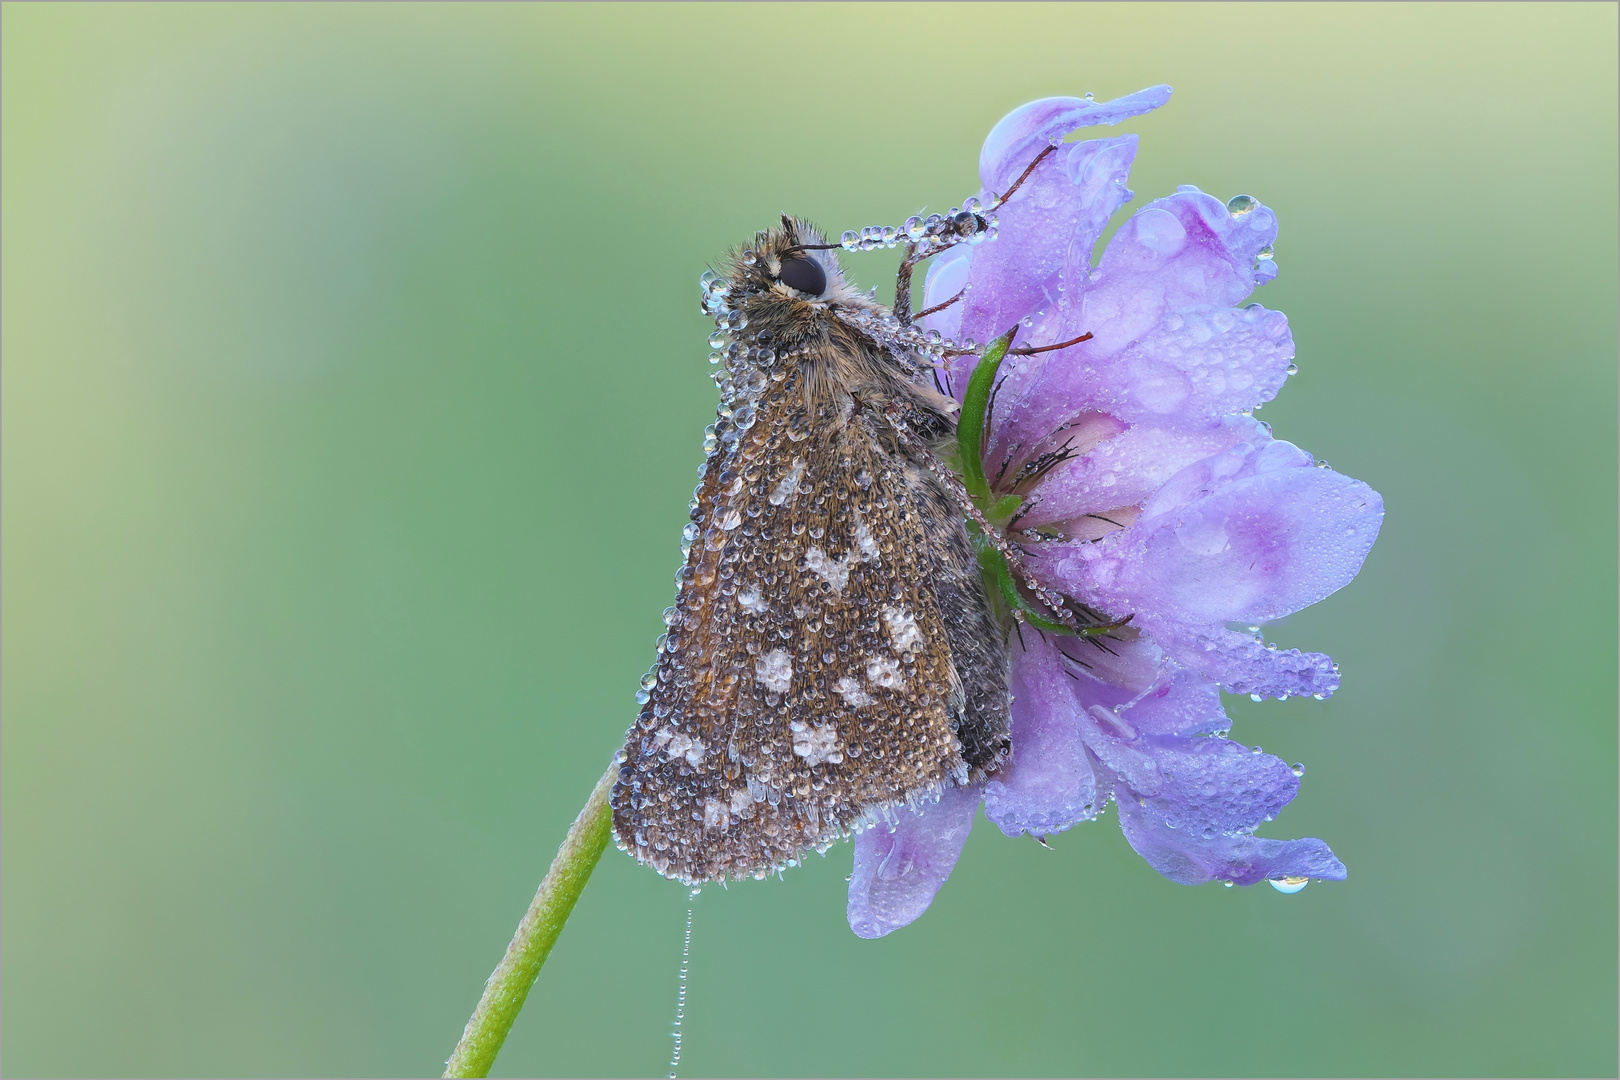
1265, 253
1239, 205
1297, 768
915, 227
719, 339
672, 615
850, 240
1228, 884
1256, 697
1289, 885
1293, 369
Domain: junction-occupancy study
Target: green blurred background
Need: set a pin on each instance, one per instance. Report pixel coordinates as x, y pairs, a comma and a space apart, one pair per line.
353, 383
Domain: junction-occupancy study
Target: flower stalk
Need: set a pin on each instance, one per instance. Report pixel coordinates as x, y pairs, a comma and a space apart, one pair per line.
509, 984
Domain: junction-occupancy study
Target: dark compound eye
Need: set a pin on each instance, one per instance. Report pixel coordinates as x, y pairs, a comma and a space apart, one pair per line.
804, 275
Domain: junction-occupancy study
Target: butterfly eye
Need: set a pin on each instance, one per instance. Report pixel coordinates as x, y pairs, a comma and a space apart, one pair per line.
804, 275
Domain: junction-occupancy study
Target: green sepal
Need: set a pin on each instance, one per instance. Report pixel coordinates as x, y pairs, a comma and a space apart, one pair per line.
998, 575
1001, 511
970, 428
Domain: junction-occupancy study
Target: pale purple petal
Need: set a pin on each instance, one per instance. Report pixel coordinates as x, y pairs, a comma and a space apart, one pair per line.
899, 868
1243, 665
1114, 672
1186, 251
1119, 750
1252, 550
1211, 786
1065, 203
1243, 859
1023, 133
1179, 703
1189, 371
1248, 535
1204, 362
1131, 467
1048, 784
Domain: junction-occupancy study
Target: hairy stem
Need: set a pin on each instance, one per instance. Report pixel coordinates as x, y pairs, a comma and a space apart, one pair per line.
509, 985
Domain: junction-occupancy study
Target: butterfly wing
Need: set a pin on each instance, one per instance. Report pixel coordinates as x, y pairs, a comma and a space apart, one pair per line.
831, 652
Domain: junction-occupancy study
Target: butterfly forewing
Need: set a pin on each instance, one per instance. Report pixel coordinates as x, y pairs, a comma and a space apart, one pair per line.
807, 677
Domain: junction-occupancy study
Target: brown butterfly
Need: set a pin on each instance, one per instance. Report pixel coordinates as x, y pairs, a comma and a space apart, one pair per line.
833, 652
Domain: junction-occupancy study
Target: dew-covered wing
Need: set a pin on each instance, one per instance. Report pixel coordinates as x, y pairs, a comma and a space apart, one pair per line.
807, 678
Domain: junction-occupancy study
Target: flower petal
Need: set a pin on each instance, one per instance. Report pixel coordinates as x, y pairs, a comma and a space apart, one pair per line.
1203, 362
1247, 535
1179, 703
1257, 547
1213, 786
1130, 467
1243, 665
899, 868
1066, 202
1048, 784
1183, 252
1243, 860
1023, 133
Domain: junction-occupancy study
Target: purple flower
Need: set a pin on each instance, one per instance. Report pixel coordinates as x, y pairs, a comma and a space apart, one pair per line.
1150, 491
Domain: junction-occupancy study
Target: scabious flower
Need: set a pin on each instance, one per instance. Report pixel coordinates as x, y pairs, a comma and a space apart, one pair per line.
1150, 491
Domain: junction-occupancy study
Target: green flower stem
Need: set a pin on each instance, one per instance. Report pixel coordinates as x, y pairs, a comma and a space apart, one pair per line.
536, 934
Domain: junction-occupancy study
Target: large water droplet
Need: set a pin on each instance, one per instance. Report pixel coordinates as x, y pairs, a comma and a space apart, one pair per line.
1239, 205
1289, 885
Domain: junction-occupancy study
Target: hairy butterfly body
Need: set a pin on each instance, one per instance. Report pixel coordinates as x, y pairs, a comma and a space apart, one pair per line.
832, 651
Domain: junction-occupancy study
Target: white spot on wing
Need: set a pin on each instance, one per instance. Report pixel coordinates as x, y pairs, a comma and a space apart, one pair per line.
715, 814
903, 629
885, 671
684, 746
789, 486
865, 542
774, 671
816, 744
850, 688
834, 572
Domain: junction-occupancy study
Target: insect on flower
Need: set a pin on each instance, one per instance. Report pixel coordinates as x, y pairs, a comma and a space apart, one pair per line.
833, 651
898, 530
